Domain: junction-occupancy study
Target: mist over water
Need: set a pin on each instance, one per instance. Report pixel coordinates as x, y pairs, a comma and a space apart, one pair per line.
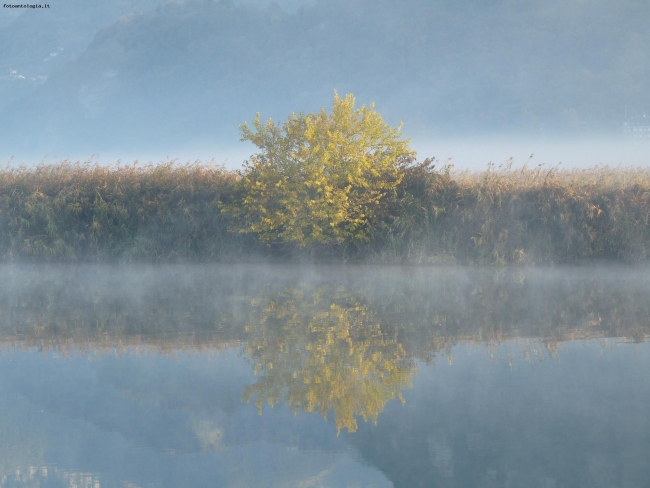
185, 376
334, 376
472, 153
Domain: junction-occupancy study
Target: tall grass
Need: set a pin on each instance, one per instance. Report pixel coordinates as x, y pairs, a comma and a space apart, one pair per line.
85, 212
504, 215
528, 215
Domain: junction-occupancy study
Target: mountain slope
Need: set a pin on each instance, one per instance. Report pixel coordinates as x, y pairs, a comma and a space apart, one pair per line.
187, 73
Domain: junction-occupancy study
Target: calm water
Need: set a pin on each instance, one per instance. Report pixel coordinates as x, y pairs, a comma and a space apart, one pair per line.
324, 377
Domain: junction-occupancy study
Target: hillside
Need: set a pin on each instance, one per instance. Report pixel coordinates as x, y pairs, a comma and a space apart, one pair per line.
188, 73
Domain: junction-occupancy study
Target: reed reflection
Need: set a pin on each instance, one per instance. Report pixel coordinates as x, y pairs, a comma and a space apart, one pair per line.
323, 350
167, 309
341, 342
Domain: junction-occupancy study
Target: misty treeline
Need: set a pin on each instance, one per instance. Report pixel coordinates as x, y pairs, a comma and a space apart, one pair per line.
172, 212
190, 71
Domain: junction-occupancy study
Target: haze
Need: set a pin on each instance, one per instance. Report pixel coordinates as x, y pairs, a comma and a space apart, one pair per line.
482, 82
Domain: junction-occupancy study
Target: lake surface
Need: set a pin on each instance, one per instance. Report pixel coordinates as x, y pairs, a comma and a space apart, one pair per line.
357, 376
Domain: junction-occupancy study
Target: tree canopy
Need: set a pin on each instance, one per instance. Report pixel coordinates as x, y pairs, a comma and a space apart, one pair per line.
320, 178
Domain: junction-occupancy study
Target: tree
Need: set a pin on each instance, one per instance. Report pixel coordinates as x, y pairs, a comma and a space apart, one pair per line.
320, 178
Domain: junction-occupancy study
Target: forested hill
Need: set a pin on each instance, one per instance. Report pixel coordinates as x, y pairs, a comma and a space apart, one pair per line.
186, 73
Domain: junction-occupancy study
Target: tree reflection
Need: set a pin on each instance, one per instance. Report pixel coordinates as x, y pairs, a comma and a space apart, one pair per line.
322, 350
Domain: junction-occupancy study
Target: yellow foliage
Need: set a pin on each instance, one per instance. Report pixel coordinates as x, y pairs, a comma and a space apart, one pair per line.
320, 178
322, 351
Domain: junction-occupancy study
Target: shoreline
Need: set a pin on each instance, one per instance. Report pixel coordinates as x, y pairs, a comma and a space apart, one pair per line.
175, 213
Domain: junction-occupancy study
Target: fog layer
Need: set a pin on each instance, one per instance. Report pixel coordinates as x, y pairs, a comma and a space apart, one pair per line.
184, 75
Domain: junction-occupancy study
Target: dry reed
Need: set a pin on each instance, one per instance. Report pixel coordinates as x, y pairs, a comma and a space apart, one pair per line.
521, 216
86, 212
532, 215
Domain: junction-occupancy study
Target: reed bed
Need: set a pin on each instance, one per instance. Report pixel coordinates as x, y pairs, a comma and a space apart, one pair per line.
532, 215
86, 212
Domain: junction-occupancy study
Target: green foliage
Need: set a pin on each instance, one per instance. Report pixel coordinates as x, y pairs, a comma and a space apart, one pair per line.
69, 212
171, 212
519, 216
320, 178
